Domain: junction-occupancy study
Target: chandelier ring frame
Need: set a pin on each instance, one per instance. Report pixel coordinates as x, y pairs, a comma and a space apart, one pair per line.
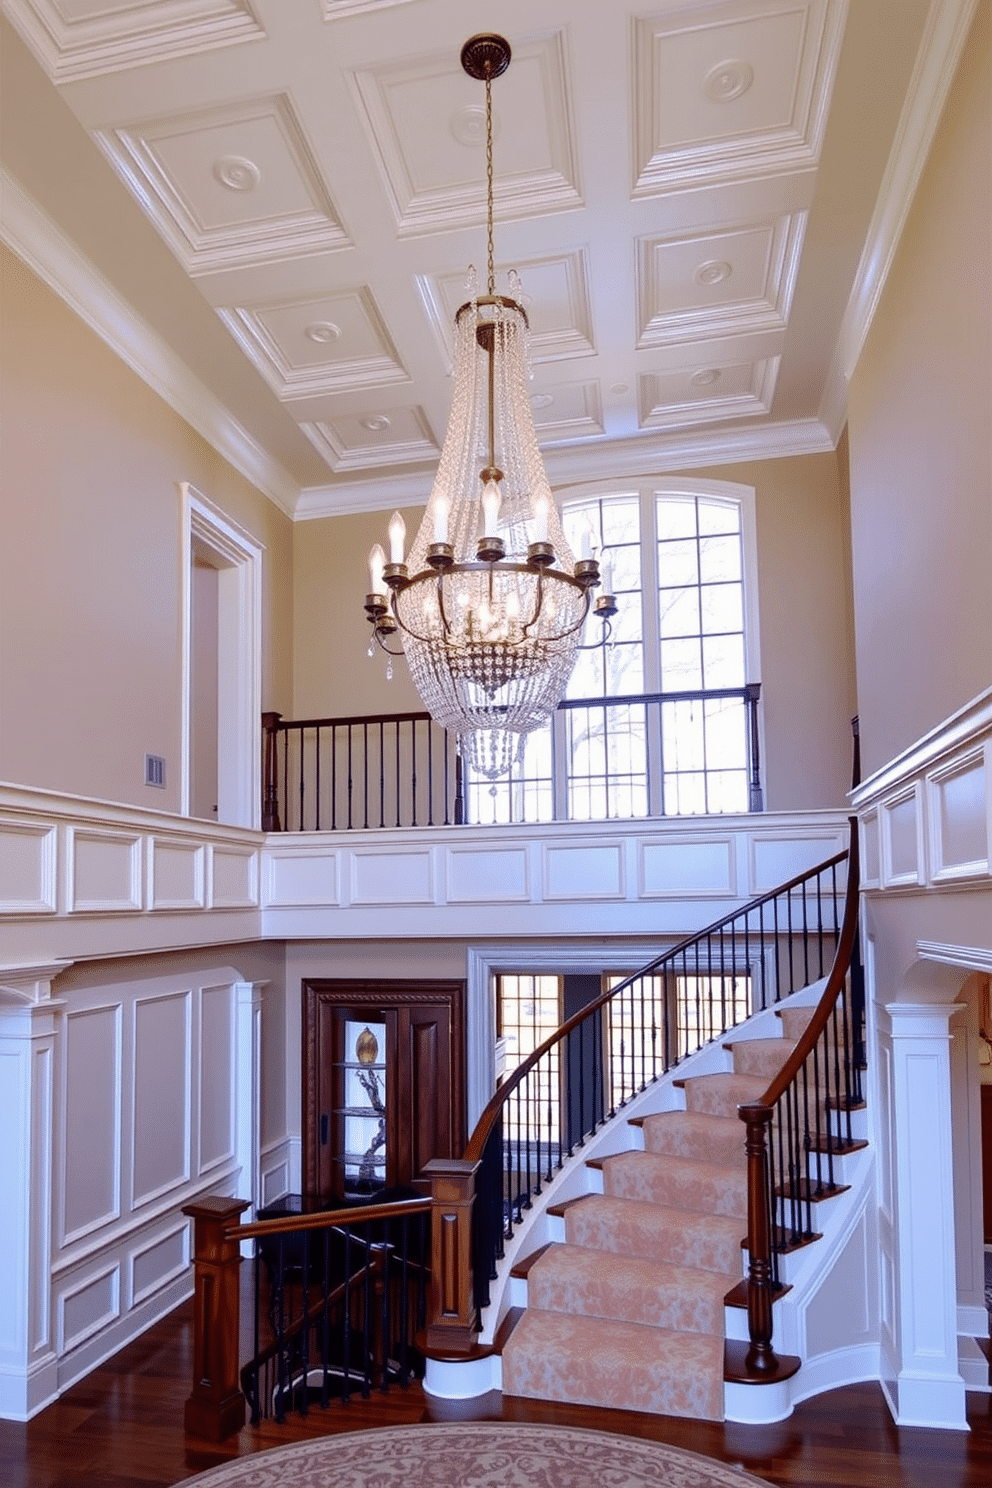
503, 301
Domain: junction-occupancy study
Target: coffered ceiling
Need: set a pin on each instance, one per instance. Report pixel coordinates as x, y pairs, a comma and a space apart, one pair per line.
286, 195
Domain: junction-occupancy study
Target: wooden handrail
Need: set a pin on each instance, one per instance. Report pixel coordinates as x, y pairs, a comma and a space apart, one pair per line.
326, 1218
835, 981
487, 1120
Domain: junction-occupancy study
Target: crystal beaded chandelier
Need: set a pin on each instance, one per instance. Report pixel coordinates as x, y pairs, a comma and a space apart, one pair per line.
490, 602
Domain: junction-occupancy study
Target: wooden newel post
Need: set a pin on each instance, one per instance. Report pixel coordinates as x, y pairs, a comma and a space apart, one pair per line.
216, 1408
270, 775
452, 1325
760, 1358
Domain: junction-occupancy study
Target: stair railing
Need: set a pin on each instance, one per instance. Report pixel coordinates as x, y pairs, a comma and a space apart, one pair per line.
596, 1062
339, 1298
800, 1126
400, 770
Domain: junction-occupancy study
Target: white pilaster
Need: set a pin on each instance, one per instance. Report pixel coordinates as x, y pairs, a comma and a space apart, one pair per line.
248, 1093
28, 1018
923, 1380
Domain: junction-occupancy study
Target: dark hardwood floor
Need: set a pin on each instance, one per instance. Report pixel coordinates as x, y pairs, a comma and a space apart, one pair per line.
122, 1427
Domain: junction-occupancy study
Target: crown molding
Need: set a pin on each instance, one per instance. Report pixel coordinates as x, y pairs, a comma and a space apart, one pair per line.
29, 233
971, 958
588, 462
946, 30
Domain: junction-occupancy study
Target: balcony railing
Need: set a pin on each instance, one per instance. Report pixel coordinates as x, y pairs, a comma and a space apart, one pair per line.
639, 755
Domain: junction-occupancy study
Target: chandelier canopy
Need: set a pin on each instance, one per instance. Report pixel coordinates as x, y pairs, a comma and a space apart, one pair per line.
491, 602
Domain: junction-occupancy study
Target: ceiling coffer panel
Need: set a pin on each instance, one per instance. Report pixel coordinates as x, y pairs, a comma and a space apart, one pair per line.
356, 442
728, 92
337, 343
75, 39
725, 283
683, 398
567, 411
425, 122
554, 293
228, 187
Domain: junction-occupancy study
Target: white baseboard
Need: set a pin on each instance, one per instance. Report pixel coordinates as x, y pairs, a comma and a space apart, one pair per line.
23, 1393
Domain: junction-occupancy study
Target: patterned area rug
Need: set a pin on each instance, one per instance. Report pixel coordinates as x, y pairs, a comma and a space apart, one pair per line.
475, 1455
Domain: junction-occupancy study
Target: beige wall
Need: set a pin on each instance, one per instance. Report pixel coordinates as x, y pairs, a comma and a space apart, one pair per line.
333, 674
90, 582
806, 673
921, 442
807, 681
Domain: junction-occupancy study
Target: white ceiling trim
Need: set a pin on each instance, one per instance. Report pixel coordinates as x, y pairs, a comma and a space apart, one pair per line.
589, 463
90, 46
940, 50
29, 233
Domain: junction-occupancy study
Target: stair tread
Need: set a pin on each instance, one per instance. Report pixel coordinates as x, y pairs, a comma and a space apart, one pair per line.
594, 1361
572, 1279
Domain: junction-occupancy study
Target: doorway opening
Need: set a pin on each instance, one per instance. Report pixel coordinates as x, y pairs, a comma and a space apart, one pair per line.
222, 662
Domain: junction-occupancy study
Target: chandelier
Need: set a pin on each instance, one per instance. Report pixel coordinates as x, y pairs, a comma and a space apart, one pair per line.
490, 602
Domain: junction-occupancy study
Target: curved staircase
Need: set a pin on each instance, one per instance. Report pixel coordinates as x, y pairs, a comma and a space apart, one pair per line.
629, 1308
644, 1259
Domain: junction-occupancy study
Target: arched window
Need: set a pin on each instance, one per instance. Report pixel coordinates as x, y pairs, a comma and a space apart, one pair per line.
660, 721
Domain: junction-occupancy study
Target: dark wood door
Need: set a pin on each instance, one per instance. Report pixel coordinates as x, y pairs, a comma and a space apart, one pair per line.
383, 1082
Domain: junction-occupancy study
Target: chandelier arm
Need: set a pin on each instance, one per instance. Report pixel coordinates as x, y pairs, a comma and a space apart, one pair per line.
604, 638
440, 606
382, 645
539, 601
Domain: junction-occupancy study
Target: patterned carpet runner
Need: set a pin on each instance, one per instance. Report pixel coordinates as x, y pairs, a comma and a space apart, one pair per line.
628, 1313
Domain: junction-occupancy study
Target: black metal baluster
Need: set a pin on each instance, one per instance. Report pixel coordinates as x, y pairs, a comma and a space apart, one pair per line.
334, 777
300, 732
382, 772
317, 781
346, 1323
256, 1402
398, 815
430, 775
325, 1319
304, 1406
413, 774
351, 778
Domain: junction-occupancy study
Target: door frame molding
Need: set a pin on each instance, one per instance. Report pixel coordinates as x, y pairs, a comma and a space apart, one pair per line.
239, 723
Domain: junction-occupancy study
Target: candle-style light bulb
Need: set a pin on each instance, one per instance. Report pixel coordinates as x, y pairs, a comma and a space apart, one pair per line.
490, 507
441, 520
377, 562
541, 519
586, 541
606, 573
397, 537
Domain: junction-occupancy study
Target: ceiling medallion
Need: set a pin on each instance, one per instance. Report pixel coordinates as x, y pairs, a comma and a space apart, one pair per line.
376, 423
714, 271
468, 125
490, 603
705, 378
541, 400
322, 331
728, 80
237, 173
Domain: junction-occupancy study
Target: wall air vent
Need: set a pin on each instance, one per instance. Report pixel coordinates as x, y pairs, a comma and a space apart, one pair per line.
155, 770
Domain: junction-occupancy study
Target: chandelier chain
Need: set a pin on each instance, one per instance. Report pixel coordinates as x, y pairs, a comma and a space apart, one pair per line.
489, 179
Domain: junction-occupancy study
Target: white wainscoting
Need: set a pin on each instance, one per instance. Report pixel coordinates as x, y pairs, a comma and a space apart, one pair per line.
121, 1103
926, 818
92, 878
605, 878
